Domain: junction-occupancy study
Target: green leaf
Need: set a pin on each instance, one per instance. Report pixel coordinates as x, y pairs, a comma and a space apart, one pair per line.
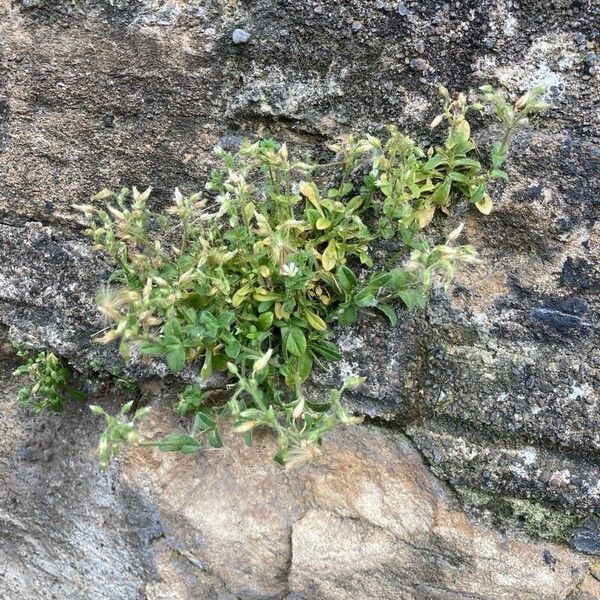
365, 259
233, 348
485, 205
467, 162
226, 318
312, 215
311, 193
103, 194
281, 456
214, 439
20, 370
458, 177
239, 296
499, 154
315, 320
172, 329
195, 300
323, 223
220, 362
175, 442
206, 370
413, 298
354, 204
265, 321
295, 341
477, 194
346, 278
305, 365
320, 407
209, 321
152, 349
175, 357
442, 193
388, 311
365, 298
499, 174
347, 315
325, 349
435, 161
190, 448
126, 407
380, 280
329, 256
202, 421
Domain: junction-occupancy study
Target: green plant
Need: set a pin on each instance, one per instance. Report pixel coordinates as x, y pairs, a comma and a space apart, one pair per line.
48, 380
251, 278
119, 431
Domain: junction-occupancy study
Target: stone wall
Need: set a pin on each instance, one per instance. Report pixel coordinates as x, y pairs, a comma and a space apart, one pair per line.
496, 383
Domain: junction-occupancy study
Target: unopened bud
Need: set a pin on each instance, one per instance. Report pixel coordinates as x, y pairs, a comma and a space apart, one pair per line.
455, 233
261, 363
436, 121
522, 101
354, 382
245, 426
299, 409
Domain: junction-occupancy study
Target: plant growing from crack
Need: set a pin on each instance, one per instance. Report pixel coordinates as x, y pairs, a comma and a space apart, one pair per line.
47, 380
252, 278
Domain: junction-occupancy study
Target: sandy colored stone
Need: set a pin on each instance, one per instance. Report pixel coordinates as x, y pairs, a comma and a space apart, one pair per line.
368, 520
589, 589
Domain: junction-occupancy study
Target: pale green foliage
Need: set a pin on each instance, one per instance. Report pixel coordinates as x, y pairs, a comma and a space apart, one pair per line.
48, 380
253, 276
119, 430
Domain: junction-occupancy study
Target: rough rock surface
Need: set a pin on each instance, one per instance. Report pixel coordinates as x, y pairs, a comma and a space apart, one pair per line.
368, 520
496, 383
65, 532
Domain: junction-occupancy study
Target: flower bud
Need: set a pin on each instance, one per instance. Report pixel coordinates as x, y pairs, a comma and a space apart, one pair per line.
261, 363
436, 121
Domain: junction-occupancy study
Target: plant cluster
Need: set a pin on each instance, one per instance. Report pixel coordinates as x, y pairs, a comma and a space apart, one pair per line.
251, 278
119, 431
48, 384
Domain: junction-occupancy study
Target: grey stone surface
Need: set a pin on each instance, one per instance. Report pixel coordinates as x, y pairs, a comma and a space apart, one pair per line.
65, 530
496, 381
367, 520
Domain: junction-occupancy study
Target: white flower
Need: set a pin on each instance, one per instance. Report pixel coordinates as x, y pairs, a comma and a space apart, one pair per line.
290, 269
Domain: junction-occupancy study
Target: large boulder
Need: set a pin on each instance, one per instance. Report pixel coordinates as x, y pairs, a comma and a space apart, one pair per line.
367, 520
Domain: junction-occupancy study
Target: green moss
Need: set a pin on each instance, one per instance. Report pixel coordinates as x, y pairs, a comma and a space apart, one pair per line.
536, 519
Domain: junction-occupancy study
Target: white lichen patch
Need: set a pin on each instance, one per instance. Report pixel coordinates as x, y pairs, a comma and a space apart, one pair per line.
546, 63
349, 340
528, 455
348, 369
416, 107
581, 391
546, 77
510, 26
